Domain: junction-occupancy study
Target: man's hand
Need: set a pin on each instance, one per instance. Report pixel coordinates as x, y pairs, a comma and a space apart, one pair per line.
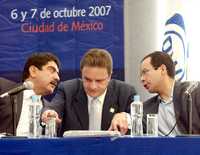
50, 113
119, 123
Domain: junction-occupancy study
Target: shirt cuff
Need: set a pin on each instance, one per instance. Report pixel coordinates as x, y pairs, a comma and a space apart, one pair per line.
128, 117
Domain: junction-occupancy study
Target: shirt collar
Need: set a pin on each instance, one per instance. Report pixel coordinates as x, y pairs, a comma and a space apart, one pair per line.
170, 100
28, 93
100, 98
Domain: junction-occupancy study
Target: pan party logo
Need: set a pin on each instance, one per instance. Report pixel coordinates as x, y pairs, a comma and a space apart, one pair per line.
175, 44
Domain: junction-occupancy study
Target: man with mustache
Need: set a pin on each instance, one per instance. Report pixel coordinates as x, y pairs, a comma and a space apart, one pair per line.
42, 69
73, 103
157, 73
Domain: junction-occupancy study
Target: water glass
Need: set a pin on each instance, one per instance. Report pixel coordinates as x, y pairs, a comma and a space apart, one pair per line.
152, 124
50, 128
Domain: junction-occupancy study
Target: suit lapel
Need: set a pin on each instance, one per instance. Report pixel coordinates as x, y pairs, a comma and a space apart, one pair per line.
81, 107
110, 107
176, 100
178, 106
156, 105
19, 102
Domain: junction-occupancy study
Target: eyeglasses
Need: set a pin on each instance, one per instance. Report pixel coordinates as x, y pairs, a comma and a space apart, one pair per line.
146, 71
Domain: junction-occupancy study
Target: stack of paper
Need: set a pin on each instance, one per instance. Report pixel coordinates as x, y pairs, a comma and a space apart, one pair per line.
89, 133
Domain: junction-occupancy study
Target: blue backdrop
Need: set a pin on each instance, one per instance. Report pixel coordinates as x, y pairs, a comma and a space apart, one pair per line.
68, 28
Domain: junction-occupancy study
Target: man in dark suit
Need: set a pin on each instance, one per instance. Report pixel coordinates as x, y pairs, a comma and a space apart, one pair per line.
171, 103
6, 106
73, 102
42, 70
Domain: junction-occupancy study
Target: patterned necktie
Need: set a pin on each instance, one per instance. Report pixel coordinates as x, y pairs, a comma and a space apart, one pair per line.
95, 115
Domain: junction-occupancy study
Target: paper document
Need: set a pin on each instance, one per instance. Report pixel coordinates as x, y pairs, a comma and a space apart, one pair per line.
89, 133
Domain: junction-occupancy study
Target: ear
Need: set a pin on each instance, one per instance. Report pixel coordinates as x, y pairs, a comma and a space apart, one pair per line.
33, 71
163, 69
109, 77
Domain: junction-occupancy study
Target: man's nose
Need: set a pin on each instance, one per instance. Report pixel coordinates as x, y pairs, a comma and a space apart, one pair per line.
93, 84
57, 77
142, 78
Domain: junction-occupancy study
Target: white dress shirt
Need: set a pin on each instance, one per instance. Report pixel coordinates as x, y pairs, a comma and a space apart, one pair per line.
167, 125
23, 125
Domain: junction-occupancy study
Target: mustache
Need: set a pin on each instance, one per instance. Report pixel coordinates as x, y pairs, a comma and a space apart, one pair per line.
54, 82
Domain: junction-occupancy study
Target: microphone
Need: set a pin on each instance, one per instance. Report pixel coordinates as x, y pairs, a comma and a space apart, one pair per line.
23, 86
192, 86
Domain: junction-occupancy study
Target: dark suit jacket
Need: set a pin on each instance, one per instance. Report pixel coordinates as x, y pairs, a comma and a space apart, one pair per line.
71, 104
180, 100
6, 110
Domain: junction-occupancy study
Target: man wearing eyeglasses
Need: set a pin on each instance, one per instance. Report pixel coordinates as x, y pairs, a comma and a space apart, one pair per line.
95, 102
157, 74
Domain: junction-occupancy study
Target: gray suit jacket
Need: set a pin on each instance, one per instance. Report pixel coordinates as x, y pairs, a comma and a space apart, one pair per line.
71, 104
180, 100
6, 108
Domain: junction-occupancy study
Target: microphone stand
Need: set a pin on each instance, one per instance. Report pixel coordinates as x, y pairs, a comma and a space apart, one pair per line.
14, 113
189, 99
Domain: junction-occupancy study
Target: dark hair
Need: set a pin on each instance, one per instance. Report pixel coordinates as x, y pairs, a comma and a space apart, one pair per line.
97, 58
159, 58
39, 59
